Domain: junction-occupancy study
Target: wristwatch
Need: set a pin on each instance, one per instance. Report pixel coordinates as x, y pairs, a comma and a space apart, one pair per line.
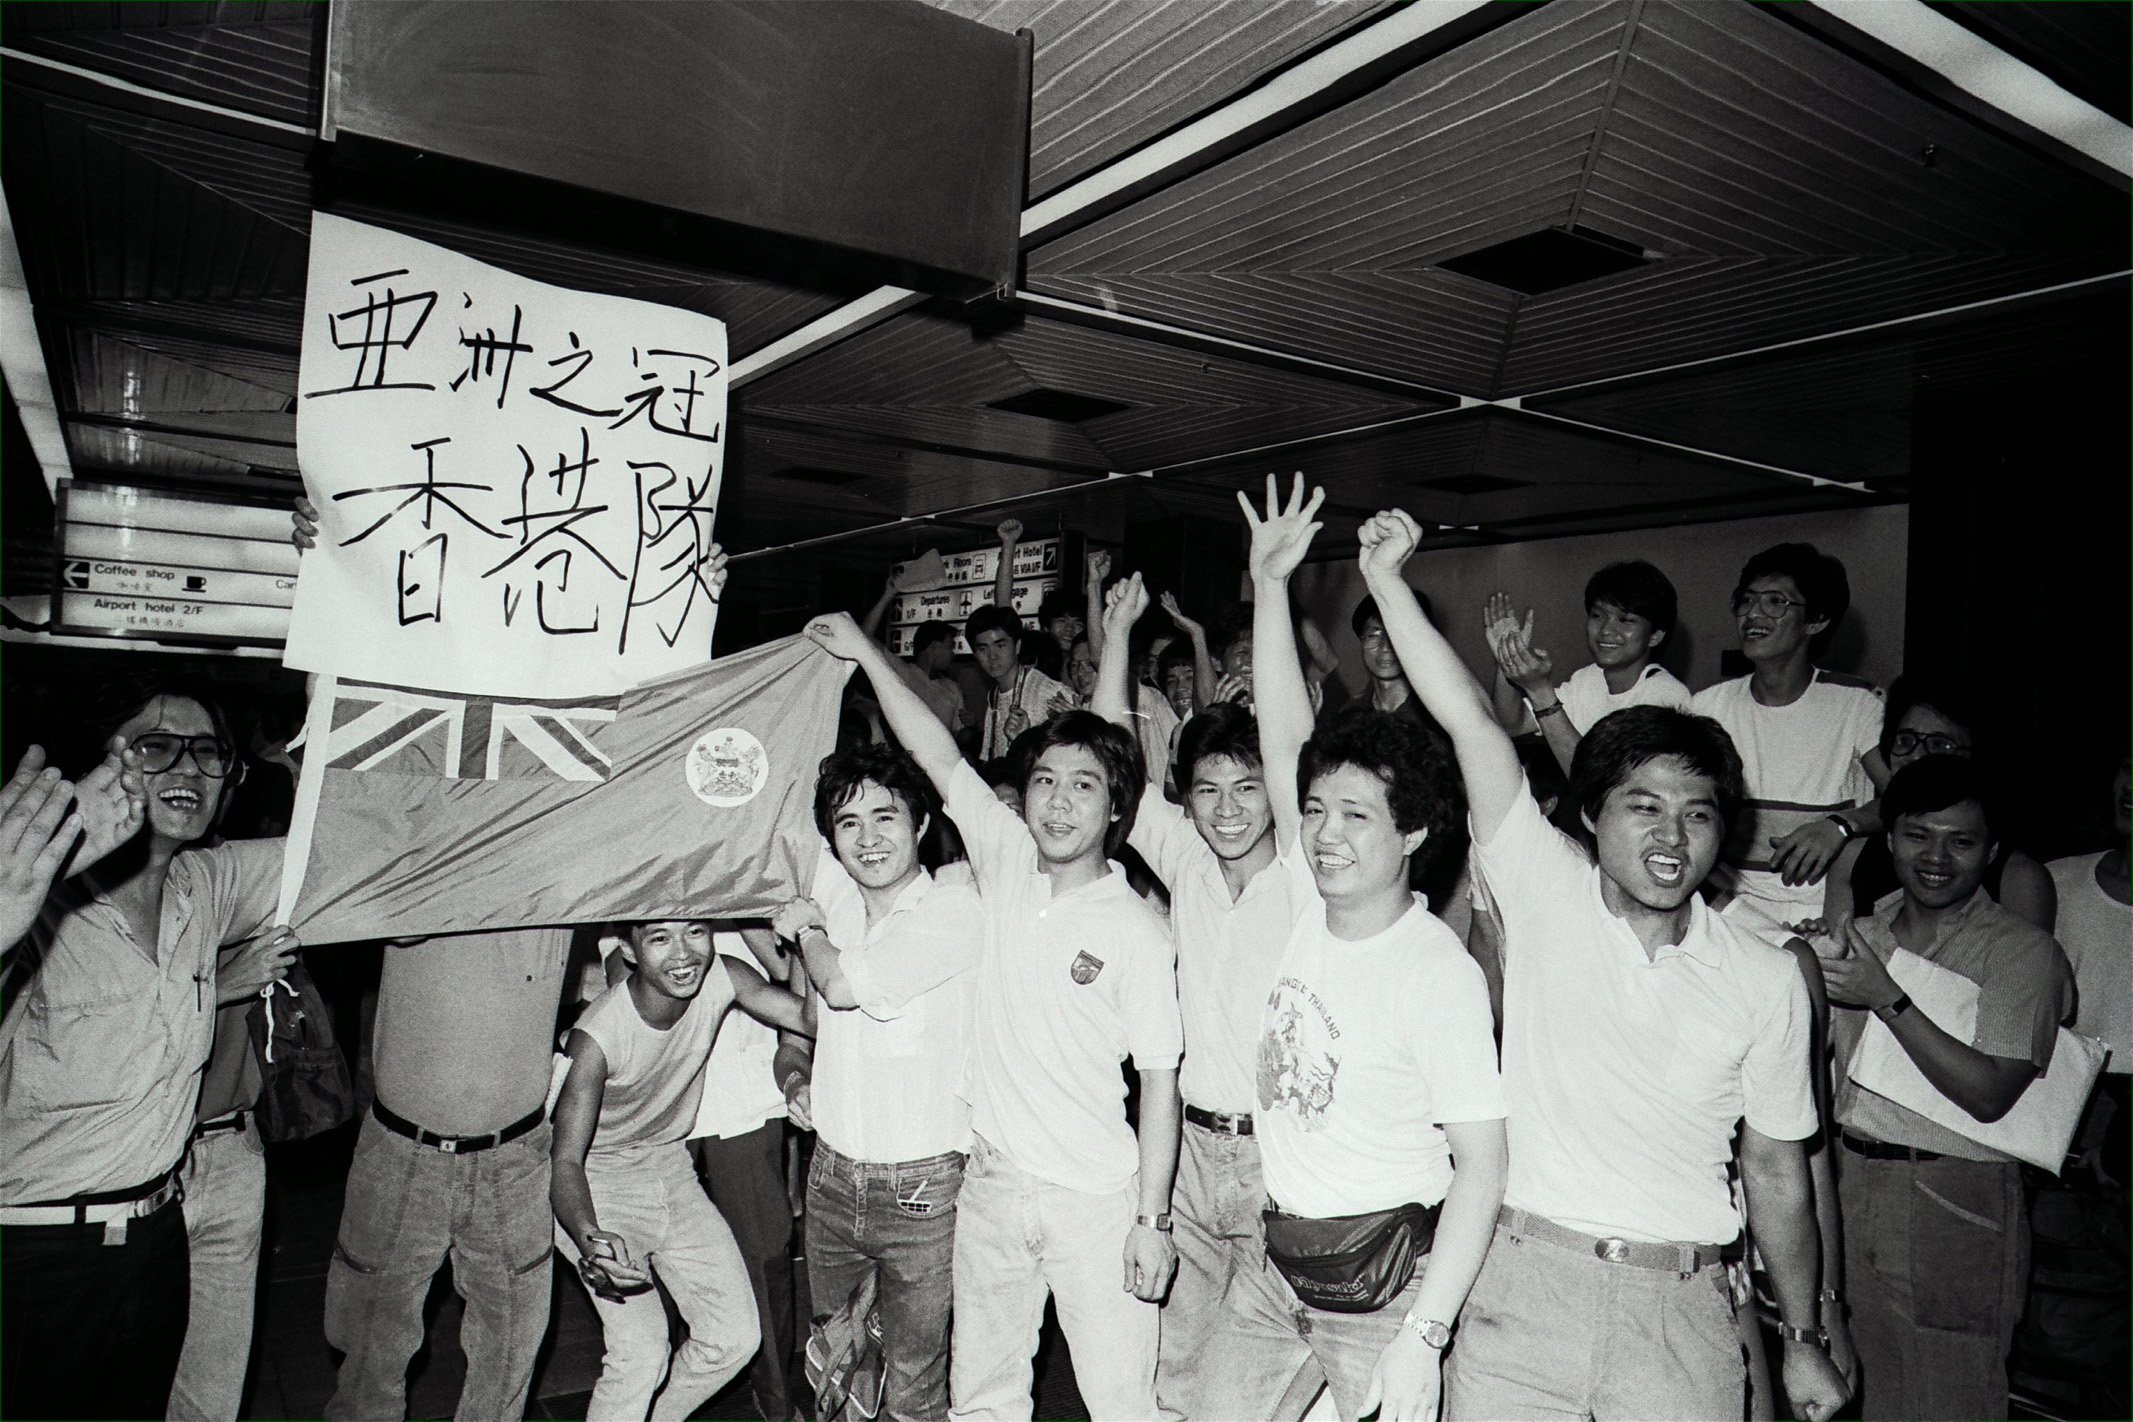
1817, 1336
1888, 1012
1433, 1333
1845, 827
1158, 1222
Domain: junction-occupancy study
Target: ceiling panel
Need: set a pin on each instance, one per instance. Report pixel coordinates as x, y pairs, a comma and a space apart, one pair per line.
1505, 469
249, 56
1112, 74
1324, 240
1844, 409
929, 377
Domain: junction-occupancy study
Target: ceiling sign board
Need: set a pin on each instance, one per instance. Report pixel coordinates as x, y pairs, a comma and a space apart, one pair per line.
515, 482
892, 131
171, 567
969, 587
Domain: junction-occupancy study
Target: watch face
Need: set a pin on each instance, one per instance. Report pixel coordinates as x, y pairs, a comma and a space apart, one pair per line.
1436, 1335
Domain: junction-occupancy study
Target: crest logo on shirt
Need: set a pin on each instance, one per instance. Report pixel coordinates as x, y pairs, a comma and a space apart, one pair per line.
1298, 1067
727, 767
1086, 968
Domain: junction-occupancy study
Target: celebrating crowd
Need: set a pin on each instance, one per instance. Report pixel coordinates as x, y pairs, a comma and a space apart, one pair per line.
1502, 1046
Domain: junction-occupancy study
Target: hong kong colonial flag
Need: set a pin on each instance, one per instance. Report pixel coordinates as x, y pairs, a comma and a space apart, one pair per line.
690, 796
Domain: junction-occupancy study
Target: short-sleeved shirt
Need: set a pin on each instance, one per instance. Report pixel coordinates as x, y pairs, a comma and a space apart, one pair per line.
2025, 989
1155, 727
1801, 762
1028, 688
1069, 987
466, 1027
2096, 931
1586, 699
1229, 950
888, 1073
107, 1043
742, 1090
1625, 1073
655, 1075
1368, 1047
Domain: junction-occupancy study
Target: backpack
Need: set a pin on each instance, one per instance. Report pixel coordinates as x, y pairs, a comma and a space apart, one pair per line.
307, 1087
844, 1361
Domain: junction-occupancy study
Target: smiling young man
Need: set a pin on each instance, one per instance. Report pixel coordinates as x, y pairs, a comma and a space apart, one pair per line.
1936, 1231
891, 953
624, 1189
106, 1045
1233, 903
1378, 1109
1801, 731
1017, 697
1059, 1197
1629, 613
1639, 1032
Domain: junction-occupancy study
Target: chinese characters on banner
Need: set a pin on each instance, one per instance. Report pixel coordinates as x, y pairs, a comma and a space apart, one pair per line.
515, 481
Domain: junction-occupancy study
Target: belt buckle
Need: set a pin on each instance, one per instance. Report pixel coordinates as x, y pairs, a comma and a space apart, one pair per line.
448, 1144
1614, 1251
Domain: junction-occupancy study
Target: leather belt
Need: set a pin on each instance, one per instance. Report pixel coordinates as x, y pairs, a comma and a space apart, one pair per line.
1683, 1259
1882, 1150
232, 1122
1220, 1121
453, 1145
110, 1208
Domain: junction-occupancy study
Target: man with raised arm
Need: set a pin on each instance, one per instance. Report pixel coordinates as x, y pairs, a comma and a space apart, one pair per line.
1640, 1030
1379, 1111
1058, 1197
1232, 906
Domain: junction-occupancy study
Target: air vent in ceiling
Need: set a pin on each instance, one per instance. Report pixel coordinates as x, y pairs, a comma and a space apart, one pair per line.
1063, 406
1549, 260
807, 474
1473, 484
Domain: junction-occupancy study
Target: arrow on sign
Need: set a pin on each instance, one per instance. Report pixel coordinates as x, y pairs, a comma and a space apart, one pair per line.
78, 576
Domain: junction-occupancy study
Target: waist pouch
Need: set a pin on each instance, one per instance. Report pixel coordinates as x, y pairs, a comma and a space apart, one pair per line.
1350, 1263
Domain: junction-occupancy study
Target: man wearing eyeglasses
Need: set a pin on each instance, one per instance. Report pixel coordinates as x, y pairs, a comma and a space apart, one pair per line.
102, 1057
1801, 730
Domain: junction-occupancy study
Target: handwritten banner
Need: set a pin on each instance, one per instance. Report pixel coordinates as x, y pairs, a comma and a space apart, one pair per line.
515, 482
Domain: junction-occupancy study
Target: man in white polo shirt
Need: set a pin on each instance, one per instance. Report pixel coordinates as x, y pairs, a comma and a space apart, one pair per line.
1640, 1030
1232, 906
1058, 1197
890, 951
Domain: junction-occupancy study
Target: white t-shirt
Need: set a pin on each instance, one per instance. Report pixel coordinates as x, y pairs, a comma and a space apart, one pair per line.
1155, 726
1626, 1073
741, 1088
1229, 950
1801, 763
1368, 1047
888, 1073
1068, 988
1586, 699
2096, 931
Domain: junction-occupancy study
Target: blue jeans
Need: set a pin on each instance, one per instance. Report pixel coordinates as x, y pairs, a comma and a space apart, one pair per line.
898, 1220
408, 1206
1936, 1264
652, 1198
1265, 1356
225, 1201
1019, 1239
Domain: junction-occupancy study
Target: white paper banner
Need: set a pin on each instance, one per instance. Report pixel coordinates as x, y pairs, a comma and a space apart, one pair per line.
515, 481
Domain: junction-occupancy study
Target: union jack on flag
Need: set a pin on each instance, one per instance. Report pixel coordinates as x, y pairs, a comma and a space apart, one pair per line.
394, 730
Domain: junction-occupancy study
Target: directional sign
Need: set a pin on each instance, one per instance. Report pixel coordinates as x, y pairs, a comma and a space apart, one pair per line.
145, 563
